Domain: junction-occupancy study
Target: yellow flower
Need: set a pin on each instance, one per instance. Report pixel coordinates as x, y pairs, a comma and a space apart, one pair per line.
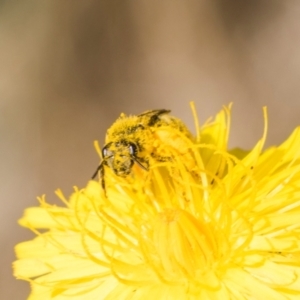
210, 224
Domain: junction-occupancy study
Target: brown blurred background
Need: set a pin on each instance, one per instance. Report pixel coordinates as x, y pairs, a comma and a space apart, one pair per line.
68, 68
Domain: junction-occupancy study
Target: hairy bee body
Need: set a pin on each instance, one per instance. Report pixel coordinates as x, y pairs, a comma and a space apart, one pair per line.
141, 139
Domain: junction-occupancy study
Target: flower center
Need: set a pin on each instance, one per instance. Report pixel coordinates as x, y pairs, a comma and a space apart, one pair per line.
184, 247
169, 215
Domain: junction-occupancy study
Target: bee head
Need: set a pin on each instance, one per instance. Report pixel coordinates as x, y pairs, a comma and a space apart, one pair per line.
120, 156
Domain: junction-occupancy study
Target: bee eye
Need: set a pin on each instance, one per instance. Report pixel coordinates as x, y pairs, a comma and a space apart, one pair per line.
132, 149
105, 150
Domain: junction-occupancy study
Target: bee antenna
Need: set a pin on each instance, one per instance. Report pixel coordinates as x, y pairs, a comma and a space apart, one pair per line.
98, 169
139, 163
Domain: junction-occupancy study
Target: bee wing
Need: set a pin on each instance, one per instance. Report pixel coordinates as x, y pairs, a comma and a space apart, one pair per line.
154, 115
154, 112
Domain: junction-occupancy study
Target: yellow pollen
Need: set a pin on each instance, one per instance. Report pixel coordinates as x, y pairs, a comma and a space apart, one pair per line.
169, 215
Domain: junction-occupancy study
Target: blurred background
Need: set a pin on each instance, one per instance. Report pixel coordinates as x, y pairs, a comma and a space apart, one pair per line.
68, 68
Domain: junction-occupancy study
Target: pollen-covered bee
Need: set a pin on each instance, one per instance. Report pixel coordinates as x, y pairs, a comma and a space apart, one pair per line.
138, 140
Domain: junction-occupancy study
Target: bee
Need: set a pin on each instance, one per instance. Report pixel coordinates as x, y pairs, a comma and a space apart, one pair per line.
138, 140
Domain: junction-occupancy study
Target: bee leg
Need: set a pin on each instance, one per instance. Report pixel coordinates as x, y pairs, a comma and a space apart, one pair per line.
161, 158
102, 179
